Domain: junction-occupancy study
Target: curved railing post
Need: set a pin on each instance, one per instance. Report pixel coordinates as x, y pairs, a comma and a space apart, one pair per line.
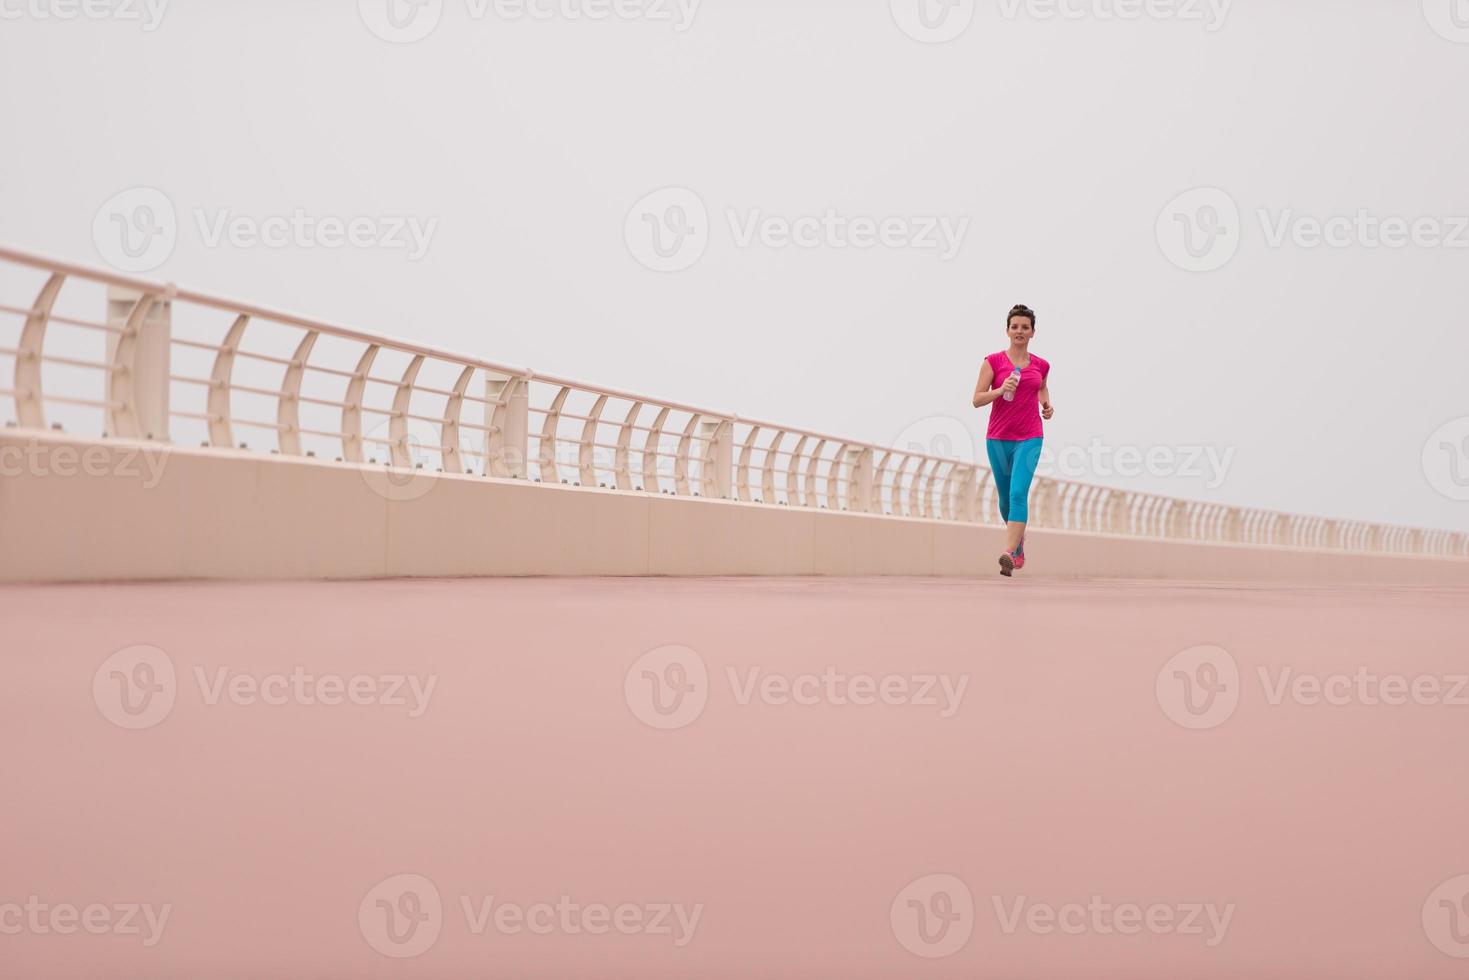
793, 471
808, 485
398, 421
767, 469
30, 406
586, 451
546, 445
652, 482
449, 447
288, 410
352, 406
717, 465
859, 480
221, 431
507, 419
139, 356
622, 470
122, 401
917, 506
879, 478
742, 471
681, 460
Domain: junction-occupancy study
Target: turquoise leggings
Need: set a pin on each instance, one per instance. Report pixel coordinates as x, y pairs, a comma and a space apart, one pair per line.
1013, 463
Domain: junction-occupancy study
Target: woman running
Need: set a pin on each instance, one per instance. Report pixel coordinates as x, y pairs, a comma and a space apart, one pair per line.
1013, 383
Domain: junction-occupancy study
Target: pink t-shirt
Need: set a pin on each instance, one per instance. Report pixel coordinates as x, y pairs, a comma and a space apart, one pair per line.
1020, 419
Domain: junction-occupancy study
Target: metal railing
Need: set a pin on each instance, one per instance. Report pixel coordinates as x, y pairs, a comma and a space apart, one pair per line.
176, 360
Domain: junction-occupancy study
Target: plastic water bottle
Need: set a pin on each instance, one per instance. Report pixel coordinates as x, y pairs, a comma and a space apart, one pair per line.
1015, 373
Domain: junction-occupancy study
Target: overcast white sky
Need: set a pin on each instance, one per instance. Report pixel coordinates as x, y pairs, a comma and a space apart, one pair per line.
1058, 146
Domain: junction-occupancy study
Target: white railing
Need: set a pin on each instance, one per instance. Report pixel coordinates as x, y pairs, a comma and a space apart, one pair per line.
177, 364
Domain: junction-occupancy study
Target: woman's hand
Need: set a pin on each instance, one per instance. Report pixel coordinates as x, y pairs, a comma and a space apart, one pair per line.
1011, 383
1047, 411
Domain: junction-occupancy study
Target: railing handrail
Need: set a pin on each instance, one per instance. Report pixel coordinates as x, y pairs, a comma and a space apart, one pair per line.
306, 322
1085, 489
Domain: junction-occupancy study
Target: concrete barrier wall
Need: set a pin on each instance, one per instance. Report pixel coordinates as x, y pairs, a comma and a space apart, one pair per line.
81, 510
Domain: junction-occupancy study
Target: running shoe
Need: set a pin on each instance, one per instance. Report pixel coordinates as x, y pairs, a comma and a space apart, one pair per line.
1019, 560
1007, 564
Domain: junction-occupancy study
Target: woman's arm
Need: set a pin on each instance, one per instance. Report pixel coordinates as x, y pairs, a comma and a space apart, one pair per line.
1045, 397
982, 394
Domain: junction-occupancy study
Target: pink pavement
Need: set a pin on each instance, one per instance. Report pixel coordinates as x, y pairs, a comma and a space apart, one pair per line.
733, 778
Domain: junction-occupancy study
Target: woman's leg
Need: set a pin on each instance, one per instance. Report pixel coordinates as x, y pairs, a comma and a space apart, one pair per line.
1026, 457
1002, 456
